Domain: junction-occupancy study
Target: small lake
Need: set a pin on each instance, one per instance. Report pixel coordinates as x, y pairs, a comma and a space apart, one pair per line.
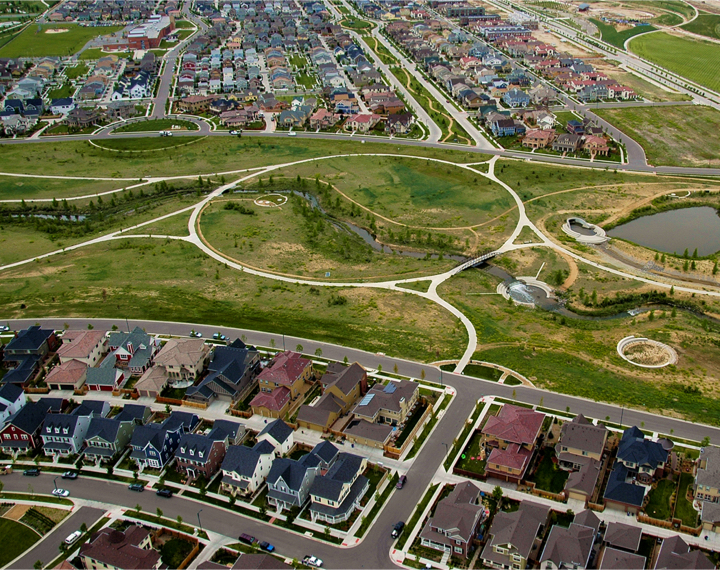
675, 230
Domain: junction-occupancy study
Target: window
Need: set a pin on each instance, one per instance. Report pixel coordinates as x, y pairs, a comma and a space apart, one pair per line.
6, 436
458, 549
584, 452
24, 436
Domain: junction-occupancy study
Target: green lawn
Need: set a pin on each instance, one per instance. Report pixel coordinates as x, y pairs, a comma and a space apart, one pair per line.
705, 25
658, 505
175, 551
17, 538
469, 459
153, 125
35, 41
65, 90
611, 35
156, 143
668, 19
305, 80
671, 136
76, 71
14, 188
698, 60
549, 477
683, 508
183, 24
97, 53
356, 24
676, 6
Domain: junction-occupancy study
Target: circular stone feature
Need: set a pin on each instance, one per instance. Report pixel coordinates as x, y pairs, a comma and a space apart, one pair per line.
271, 200
584, 232
646, 353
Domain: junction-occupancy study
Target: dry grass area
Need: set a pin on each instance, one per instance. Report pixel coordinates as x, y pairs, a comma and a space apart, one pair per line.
648, 353
17, 512
573, 49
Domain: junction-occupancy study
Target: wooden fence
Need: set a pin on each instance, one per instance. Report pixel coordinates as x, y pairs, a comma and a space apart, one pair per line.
529, 487
176, 402
175, 534
675, 524
395, 452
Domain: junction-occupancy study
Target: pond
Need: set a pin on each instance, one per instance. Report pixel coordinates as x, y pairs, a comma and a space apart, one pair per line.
675, 230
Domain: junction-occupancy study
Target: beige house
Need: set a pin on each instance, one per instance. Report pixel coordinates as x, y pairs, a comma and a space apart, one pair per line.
389, 404
707, 487
85, 346
183, 359
580, 442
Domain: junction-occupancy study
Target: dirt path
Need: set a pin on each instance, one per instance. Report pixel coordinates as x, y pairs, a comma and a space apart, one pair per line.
17, 512
574, 272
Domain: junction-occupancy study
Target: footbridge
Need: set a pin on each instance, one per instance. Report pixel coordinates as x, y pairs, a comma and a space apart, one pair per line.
476, 261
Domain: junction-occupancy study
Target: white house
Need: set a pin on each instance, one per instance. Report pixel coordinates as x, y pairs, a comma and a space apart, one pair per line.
12, 398
279, 434
62, 106
64, 435
245, 469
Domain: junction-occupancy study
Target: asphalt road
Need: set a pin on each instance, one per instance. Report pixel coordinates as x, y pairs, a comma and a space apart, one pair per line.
49, 549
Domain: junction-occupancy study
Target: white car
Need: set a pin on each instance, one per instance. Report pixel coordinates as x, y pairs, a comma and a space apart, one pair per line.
4, 328
292, 134
312, 561
195, 334
61, 492
233, 133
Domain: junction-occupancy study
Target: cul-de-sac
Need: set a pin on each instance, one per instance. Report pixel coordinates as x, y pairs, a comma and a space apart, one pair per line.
354, 284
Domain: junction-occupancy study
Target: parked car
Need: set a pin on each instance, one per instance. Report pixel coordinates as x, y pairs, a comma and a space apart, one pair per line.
312, 561
292, 134
137, 487
218, 336
267, 546
4, 328
233, 133
165, 134
73, 537
401, 482
195, 334
34, 472
61, 492
167, 493
70, 475
397, 529
247, 539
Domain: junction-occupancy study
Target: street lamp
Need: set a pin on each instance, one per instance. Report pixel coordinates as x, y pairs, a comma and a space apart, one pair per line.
54, 483
447, 449
622, 411
198, 515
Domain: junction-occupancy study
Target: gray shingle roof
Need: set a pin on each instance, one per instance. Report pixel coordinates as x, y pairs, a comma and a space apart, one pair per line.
581, 434
31, 338
103, 428
623, 536
291, 471
343, 471
636, 449
29, 417
570, 546
132, 412
618, 490
278, 430
614, 559
192, 445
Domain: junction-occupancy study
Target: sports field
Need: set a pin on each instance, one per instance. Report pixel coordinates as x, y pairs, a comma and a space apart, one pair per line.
705, 25
697, 60
53, 40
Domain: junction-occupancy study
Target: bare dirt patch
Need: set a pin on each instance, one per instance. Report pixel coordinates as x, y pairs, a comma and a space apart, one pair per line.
548, 37
57, 31
17, 512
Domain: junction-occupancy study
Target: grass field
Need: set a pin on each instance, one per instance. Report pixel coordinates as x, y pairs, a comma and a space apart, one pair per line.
65, 90
668, 19
658, 505
705, 25
697, 60
549, 477
618, 38
646, 89
97, 53
155, 279
155, 143
683, 508
356, 24
676, 6
153, 125
15, 188
671, 136
35, 41
76, 71
17, 538
213, 154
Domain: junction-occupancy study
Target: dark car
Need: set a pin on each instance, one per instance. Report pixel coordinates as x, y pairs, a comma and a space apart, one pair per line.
397, 529
34, 472
137, 487
267, 546
70, 475
247, 539
401, 482
167, 493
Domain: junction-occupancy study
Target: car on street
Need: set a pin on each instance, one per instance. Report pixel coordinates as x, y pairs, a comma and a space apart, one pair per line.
292, 134
247, 538
401, 482
234, 133
61, 492
167, 493
397, 529
70, 475
34, 472
266, 546
73, 537
4, 328
137, 487
312, 561
165, 134
218, 336
195, 334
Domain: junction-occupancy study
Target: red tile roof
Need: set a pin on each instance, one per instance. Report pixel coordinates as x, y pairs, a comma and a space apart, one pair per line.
285, 369
515, 424
275, 400
514, 457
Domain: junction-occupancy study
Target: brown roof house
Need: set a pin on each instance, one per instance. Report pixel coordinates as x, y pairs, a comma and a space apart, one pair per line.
362, 432
85, 346
183, 359
454, 524
580, 442
389, 404
568, 547
273, 404
614, 559
512, 536
512, 436
707, 486
675, 554
68, 375
129, 550
538, 138
623, 536
342, 386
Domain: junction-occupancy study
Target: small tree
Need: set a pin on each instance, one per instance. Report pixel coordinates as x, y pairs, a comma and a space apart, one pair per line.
422, 374
327, 531
497, 494
83, 528
263, 509
159, 512
138, 507
299, 348
179, 520
345, 359
705, 442
272, 343
318, 352
38, 565
395, 369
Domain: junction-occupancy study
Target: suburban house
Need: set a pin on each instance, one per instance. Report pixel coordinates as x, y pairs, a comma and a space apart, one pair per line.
622, 536
62, 106
106, 377
287, 370
289, 483
580, 442
515, 98
183, 359
363, 432
614, 559
644, 458
279, 435
21, 432
707, 486
231, 374
568, 547
273, 404
676, 554
538, 138
84, 346
567, 143
338, 492
68, 375
12, 398
64, 435
229, 432
24, 353
390, 404
106, 437
153, 445
199, 456
511, 436
581, 485
512, 536
595, 145
362, 122
134, 350
246, 468
136, 413
454, 525
342, 387
622, 492
92, 409
109, 549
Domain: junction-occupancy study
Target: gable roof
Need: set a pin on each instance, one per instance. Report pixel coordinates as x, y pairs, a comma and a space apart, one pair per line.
79, 344
184, 352
518, 529
180, 420
708, 472
275, 400
569, 547
515, 424
30, 417
226, 429
132, 412
31, 338
285, 368
588, 518
581, 434
121, 549
614, 559
242, 459
61, 422
675, 554
458, 513
623, 536
68, 372
278, 430
346, 379
151, 434
103, 428
291, 471
585, 479
388, 397
104, 375
343, 472
618, 490
636, 449
10, 392
194, 447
